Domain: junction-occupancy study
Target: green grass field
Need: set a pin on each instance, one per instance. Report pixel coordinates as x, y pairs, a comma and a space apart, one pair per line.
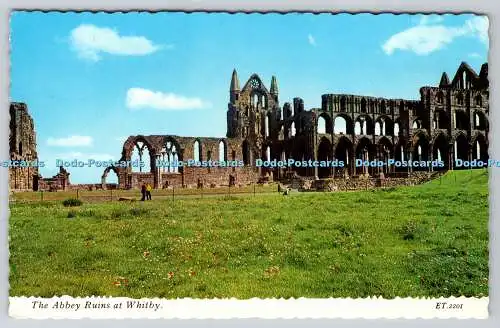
427, 240
108, 195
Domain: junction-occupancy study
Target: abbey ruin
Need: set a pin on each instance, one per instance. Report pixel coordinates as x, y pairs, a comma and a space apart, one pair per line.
449, 122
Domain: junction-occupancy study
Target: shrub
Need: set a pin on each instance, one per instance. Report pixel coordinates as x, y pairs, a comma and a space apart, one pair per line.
409, 230
72, 202
71, 214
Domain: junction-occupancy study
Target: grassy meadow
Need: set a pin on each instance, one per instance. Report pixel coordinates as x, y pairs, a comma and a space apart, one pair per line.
109, 195
427, 240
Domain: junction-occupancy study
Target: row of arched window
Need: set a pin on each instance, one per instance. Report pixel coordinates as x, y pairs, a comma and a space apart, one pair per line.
459, 99
385, 127
362, 105
361, 127
169, 156
222, 152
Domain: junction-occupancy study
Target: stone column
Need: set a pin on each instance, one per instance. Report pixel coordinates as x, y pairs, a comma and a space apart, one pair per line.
366, 158
158, 181
430, 157
316, 174
451, 157
410, 159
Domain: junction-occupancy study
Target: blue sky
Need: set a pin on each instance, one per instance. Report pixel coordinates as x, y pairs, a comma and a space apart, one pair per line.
91, 80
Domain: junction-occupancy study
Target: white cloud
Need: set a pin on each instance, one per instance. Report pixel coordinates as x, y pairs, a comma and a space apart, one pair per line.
478, 26
474, 55
426, 37
421, 39
138, 98
71, 141
89, 41
311, 40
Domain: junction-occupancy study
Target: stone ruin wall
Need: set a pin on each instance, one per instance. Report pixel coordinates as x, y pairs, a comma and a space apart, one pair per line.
22, 146
187, 176
443, 115
365, 183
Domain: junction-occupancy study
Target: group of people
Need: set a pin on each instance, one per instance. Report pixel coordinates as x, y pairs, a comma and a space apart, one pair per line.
146, 191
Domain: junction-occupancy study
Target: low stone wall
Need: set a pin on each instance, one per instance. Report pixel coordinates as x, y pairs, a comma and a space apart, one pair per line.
92, 186
362, 182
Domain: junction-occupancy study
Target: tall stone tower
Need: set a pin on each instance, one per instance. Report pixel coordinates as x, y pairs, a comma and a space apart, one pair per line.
22, 145
253, 114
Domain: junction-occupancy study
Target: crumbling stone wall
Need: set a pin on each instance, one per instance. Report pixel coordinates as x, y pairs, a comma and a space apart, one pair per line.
357, 183
449, 121
22, 146
60, 181
162, 147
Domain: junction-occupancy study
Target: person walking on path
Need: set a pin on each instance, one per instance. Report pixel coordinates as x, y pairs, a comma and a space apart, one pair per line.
143, 192
148, 191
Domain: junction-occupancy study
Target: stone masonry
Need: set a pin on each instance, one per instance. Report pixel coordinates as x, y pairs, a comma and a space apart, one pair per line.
22, 146
449, 122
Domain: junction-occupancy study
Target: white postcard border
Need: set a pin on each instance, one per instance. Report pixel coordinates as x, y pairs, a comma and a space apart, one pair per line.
67, 307
486, 6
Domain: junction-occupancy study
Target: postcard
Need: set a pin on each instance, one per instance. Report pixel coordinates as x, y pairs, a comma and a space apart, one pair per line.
248, 165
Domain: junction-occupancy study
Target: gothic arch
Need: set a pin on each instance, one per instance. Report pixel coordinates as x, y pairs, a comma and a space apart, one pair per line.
365, 150
461, 120
417, 123
478, 100
197, 150
131, 142
480, 121
246, 152
176, 143
328, 124
400, 152
293, 129
441, 119
440, 150
348, 124
385, 126
365, 125
267, 124
397, 127
480, 148
385, 152
325, 152
461, 146
140, 144
385, 141
267, 152
222, 150
105, 175
170, 153
344, 151
420, 150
